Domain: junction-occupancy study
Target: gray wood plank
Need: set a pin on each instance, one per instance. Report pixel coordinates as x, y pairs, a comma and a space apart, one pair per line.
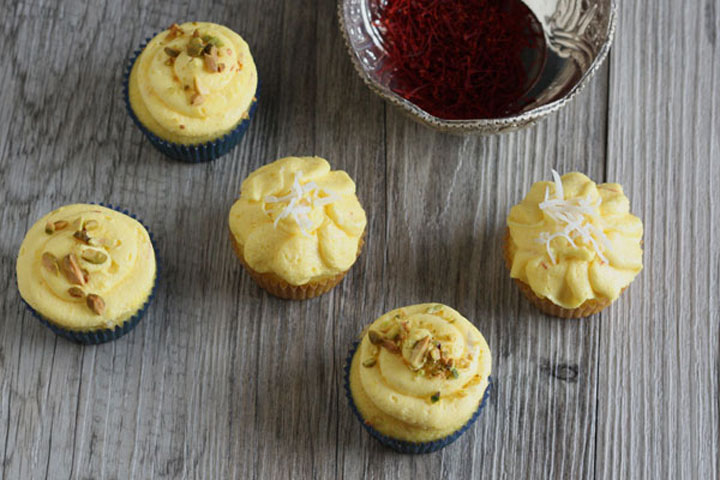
658, 401
448, 200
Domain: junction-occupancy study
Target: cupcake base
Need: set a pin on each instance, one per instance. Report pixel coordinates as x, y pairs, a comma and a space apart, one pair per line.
93, 337
403, 446
587, 308
277, 286
103, 335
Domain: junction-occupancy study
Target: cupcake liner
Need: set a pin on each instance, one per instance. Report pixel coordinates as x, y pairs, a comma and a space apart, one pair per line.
196, 153
403, 446
94, 337
587, 308
277, 286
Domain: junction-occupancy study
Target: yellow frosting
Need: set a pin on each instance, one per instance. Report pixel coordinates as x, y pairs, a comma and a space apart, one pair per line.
161, 94
123, 278
322, 236
427, 396
599, 267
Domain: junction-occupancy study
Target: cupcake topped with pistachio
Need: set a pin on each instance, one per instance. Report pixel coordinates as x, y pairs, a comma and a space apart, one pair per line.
193, 83
419, 373
572, 245
86, 268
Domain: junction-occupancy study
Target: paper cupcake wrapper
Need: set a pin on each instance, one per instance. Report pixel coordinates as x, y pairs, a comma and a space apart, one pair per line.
401, 445
275, 285
197, 153
587, 308
94, 337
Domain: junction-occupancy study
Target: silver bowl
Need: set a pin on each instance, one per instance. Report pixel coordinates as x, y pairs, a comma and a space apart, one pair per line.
578, 35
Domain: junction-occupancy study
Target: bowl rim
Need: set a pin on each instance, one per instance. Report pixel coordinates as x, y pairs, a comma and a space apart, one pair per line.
480, 124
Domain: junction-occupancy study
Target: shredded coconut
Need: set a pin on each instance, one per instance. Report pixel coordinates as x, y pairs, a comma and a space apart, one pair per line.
573, 213
300, 202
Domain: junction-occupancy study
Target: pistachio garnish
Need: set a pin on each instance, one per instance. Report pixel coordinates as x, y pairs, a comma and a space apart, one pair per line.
454, 373
417, 356
72, 270
83, 236
390, 346
195, 47
60, 224
96, 304
49, 228
375, 338
435, 397
76, 292
96, 257
50, 262
214, 41
172, 52
175, 31
210, 57
434, 308
369, 362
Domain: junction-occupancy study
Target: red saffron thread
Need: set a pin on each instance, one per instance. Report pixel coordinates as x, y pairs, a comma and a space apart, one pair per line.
462, 59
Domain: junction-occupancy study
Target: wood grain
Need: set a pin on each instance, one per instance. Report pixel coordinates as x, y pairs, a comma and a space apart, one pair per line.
221, 380
658, 410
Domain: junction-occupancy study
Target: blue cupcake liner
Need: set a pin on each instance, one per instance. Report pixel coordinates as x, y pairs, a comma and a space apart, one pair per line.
95, 337
401, 445
196, 153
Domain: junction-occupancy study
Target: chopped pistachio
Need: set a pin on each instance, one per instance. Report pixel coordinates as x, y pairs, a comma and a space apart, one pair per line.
76, 292
435, 397
369, 362
50, 262
60, 224
49, 228
417, 356
374, 337
454, 372
96, 257
82, 236
195, 47
172, 52
71, 269
96, 304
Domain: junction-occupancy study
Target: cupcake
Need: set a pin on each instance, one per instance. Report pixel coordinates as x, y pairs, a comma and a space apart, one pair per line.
192, 90
297, 227
87, 272
573, 246
419, 377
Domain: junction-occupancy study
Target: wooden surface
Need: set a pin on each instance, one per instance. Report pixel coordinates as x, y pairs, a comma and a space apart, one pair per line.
222, 381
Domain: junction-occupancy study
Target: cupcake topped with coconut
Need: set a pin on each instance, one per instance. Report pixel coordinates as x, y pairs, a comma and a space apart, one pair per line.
298, 226
573, 246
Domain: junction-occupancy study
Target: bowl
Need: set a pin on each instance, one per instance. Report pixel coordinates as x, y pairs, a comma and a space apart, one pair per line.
578, 36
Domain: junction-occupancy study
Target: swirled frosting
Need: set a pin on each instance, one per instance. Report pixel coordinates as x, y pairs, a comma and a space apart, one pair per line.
420, 372
84, 250
572, 240
193, 83
298, 219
